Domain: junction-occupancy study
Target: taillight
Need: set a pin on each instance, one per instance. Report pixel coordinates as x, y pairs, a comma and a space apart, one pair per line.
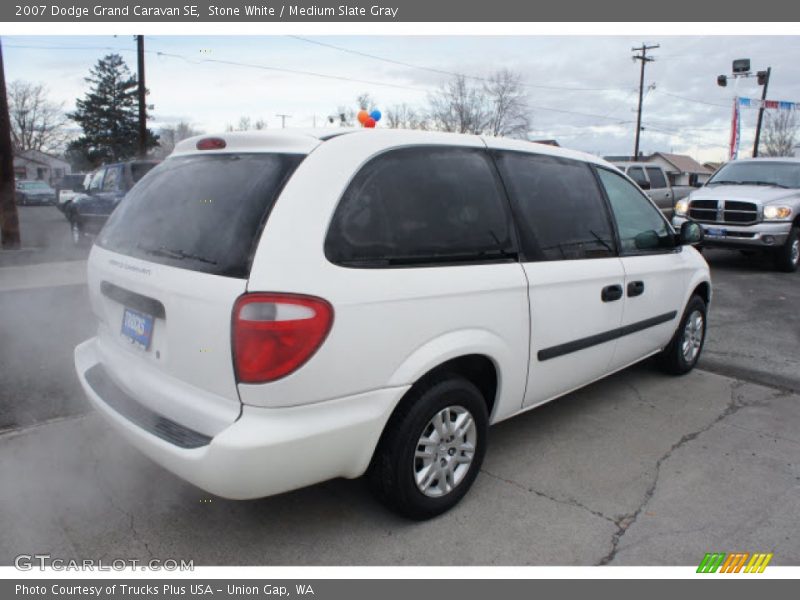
275, 334
211, 144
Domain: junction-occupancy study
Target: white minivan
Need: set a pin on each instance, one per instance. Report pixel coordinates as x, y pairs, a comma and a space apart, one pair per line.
280, 308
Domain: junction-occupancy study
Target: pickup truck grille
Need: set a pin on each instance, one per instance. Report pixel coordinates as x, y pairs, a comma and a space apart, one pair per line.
732, 212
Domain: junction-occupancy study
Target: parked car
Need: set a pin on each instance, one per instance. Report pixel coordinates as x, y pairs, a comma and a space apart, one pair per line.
278, 308
656, 184
69, 187
750, 205
88, 212
34, 192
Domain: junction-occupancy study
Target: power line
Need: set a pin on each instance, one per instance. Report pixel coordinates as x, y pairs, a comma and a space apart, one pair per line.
695, 100
287, 70
227, 62
443, 71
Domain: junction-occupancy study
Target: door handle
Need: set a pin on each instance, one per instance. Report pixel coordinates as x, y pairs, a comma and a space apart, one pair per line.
635, 288
611, 293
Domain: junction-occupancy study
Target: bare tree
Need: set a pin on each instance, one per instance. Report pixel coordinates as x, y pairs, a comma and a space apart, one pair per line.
365, 102
169, 136
508, 110
494, 106
36, 123
403, 116
780, 133
458, 106
246, 124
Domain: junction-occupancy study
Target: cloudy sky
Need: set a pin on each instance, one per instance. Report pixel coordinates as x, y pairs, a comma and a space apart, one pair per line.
582, 90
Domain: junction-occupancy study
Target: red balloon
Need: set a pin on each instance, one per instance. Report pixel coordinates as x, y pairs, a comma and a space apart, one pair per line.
362, 116
370, 122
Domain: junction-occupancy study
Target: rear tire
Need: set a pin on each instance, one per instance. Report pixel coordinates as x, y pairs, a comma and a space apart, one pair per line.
787, 257
683, 351
432, 448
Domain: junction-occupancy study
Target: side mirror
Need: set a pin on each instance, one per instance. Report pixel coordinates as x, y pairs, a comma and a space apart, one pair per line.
645, 185
691, 233
647, 240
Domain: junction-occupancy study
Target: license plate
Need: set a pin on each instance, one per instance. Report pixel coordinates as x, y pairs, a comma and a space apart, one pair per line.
716, 232
137, 328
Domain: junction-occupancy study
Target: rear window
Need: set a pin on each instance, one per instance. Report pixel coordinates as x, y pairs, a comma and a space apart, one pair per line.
200, 212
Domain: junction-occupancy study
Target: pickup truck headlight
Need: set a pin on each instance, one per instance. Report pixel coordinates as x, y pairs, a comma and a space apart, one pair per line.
776, 213
681, 207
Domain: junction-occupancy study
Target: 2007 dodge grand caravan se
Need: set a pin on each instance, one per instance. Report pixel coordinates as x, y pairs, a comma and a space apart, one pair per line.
280, 308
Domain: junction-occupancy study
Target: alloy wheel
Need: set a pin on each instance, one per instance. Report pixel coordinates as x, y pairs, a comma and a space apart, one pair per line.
445, 451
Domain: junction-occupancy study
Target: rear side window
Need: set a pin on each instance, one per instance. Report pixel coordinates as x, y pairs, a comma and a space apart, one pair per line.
657, 179
200, 212
561, 211
421, 205
637, 174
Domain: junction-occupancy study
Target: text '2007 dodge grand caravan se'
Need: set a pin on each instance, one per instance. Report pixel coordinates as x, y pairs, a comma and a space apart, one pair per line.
277, 309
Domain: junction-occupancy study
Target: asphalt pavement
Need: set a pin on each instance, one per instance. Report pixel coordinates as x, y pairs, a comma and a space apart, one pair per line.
638, 469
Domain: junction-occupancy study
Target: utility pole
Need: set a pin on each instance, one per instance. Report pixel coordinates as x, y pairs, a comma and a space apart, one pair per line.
283, 120
9, 220
142, 92
761, 109
642, 56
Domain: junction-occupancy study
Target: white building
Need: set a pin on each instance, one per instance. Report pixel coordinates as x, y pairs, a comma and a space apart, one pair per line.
32, 164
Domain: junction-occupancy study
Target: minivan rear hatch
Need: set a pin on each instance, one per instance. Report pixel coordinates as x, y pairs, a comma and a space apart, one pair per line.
166, 271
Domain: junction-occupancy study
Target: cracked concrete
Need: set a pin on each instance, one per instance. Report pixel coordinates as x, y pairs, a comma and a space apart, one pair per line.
637, 469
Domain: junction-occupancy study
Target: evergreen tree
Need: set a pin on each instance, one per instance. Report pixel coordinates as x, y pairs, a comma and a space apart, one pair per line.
108, 115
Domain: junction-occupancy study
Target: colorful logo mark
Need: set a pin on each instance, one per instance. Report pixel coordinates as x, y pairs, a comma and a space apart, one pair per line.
734, 562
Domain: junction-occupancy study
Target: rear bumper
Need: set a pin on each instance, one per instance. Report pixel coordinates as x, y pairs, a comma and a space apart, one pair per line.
264, 452
760, 235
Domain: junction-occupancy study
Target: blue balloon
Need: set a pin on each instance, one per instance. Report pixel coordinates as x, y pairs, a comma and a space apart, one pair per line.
376, 114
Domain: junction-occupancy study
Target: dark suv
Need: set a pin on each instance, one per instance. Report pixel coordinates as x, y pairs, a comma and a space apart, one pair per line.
89, 211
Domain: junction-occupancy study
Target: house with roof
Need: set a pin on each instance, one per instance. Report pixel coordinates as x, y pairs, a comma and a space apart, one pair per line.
680, 168
36, 165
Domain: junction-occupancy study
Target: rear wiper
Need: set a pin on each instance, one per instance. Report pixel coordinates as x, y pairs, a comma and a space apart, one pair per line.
175, 253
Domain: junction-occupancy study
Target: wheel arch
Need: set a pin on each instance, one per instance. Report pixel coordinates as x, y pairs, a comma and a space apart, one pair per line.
476, 355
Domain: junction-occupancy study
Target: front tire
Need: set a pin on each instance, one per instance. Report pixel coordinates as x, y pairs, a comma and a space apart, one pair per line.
787, 257
432, 448
683, 351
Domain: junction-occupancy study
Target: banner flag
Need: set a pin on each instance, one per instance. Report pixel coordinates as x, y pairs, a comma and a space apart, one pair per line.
735, 124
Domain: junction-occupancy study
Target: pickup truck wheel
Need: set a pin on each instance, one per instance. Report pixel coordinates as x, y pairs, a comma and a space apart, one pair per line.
788, 256
683, 351
432, 448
